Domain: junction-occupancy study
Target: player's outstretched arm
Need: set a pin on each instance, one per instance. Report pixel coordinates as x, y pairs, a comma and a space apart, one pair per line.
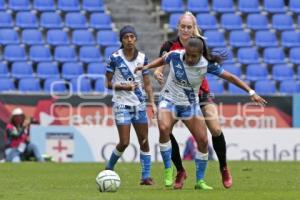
241, 84
154, 64
149, 91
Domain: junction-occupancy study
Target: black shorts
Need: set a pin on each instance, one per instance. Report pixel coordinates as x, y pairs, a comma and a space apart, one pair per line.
205, 98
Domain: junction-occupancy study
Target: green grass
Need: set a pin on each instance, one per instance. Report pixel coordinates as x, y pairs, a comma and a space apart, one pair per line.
47, 181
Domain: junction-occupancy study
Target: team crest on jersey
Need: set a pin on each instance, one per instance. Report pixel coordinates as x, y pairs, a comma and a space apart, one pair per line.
178, 66
179, 74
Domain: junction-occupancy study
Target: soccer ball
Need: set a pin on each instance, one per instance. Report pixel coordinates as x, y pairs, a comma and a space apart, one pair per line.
108, 181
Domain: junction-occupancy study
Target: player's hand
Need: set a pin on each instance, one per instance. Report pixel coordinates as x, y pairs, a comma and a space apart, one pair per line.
154, 110
138, 68
131, 86
258, 99
159, 77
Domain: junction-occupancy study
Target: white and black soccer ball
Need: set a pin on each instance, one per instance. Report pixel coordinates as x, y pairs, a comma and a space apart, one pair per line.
108, 181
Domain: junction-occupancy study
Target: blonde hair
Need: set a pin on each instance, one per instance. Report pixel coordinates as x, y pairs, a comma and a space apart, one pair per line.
197, 30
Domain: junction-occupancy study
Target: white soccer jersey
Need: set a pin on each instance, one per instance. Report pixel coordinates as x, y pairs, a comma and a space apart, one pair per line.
179, 91
123, 71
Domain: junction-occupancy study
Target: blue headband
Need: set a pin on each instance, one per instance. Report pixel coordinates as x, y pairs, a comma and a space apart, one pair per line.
127, 29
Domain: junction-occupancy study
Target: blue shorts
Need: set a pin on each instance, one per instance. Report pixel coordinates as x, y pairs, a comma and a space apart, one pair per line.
125, 115
180, 111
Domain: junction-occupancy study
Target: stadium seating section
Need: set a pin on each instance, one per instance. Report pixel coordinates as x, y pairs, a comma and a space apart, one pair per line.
261, 38
48, 44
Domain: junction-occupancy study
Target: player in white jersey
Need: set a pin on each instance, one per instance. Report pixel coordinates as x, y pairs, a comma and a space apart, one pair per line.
188, 68
129, 103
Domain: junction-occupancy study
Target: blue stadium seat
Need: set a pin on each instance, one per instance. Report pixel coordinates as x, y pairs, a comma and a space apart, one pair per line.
274, 6
9, 36
14, 53
101, 21
22, 70
282, 22
96, 69
171, 6
2, 5
246, 6
19, 5
75, 21
44, 5
236, 90
196, 6
234, 69
231, 21
298, 20
216, 86
173, 20
257, 22
215, 38
282, 72
289, 87
6, 85
6, 21
93, 6
50, 20
240, 39
290, 39
32, 37
55, 85
294, 6
294, 55
89, 54
68, 5
100, 86
206, 21
82, 85
265, 87
57, 37
223, 6
82, 37
39, 53
255, 72
227, 53
265, 39
26, 20
298, 74
71, 70
4, 72
107, 38
109, 50
29, 85
65, 54
47, 70
248, 55
273, 55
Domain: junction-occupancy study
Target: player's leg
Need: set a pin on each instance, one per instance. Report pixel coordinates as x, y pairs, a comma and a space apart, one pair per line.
32, 148
140, 124
12, 155
195, 124
123, 121
166, 121
212, 121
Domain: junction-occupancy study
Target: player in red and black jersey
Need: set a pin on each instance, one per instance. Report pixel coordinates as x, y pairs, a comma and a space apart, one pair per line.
187, 27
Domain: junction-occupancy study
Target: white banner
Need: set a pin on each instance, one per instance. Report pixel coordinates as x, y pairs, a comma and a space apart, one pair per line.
95, 143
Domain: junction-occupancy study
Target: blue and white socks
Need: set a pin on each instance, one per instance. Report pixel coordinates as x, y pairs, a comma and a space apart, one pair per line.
201, 160
113, 159
166, 153
145, 159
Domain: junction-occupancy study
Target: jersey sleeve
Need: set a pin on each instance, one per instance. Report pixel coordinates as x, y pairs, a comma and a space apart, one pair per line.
215, 69
145, 72
111, 65
166, 47
167, 57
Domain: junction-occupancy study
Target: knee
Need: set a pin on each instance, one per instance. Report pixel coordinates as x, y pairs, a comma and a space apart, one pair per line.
215, 131
203, 143
164, 129
123, 145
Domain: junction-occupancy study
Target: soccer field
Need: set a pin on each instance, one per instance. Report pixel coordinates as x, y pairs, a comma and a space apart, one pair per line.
252, 180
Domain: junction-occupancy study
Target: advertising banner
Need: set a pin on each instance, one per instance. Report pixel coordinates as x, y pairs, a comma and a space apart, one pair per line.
95, 143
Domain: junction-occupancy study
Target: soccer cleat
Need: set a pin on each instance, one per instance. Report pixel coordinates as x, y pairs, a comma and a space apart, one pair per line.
226, 177
147, 181
169, 177
201, 185
180, 178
